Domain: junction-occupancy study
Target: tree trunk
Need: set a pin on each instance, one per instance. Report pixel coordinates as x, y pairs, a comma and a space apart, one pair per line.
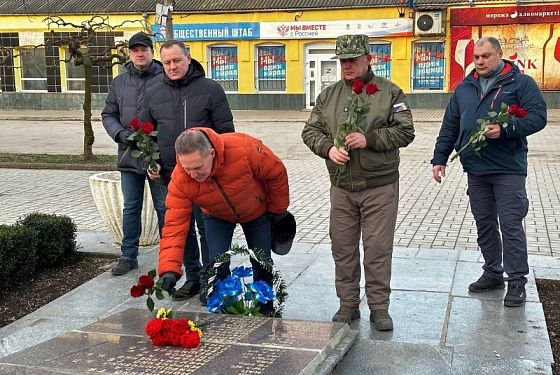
88, 129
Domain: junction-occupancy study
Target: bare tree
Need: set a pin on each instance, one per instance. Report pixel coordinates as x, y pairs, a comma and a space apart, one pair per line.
82, 51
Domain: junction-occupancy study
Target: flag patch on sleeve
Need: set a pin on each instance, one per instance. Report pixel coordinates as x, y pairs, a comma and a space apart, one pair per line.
399, 107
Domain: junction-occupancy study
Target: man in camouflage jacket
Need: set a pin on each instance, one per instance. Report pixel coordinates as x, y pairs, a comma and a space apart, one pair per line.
364, 175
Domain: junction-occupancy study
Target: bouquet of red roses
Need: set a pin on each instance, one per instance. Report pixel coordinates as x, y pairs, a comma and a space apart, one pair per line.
163, 330
477, 138
358, 108
146, 144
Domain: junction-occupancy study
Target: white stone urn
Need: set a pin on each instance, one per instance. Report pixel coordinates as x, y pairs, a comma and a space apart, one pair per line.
107, 194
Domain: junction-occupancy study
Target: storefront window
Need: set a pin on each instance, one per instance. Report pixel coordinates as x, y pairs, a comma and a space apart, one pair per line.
223, 67
271, 68
75, 78
428, 65
381, 60
33, 69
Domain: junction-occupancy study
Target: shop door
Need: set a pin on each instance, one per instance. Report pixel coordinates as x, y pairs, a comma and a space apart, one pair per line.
321, 73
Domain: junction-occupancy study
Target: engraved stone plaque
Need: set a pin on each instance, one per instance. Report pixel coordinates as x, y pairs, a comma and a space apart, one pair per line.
230, 344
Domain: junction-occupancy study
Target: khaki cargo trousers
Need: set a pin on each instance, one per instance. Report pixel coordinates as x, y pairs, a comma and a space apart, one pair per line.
371, 213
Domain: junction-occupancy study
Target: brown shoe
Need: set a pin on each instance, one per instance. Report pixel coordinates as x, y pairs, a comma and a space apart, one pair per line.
382, 320
346, 315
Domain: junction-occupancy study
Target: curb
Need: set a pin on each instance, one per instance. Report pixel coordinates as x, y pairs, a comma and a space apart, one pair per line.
69, 167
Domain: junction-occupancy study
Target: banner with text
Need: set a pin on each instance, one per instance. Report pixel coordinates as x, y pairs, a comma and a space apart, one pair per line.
428, 66
223, 63
272, 62
210, 31
332, 29
505, 15
286, 30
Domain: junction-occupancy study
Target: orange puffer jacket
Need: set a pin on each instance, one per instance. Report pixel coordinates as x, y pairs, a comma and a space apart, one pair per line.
244, 170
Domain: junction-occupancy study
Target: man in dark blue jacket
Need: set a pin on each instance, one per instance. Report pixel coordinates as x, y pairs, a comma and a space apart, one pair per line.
185, 99
125, 102
496, 175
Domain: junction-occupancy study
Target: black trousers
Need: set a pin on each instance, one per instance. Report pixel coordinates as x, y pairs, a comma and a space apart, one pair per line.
499, 204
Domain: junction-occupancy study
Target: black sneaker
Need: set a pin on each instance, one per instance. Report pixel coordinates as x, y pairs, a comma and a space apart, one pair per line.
123, 266
515, 295
485, 284
189, 289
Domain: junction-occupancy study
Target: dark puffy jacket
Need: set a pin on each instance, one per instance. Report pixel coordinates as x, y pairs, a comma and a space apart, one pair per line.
174, 106
507, 154
124, 102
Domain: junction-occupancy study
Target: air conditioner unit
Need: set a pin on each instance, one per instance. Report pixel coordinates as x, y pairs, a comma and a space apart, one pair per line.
428, 23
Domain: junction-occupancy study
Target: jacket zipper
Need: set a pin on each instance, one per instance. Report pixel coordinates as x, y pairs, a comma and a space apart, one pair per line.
184, 113
237, 218
482, 96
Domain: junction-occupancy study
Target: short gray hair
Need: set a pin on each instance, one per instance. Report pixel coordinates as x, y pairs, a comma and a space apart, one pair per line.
495, 43
170, 43
191, 141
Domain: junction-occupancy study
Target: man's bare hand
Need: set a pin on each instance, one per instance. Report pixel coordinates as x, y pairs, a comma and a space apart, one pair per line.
338, 156
156, 175
439, 172
355, 140
493, 131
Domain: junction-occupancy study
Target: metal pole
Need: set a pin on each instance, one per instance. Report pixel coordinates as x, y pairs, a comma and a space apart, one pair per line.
169, 23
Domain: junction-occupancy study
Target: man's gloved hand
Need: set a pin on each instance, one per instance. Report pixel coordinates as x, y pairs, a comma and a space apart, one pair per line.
169, 281
123, 138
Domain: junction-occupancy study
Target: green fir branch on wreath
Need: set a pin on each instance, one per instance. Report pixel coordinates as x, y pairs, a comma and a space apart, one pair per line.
278, 283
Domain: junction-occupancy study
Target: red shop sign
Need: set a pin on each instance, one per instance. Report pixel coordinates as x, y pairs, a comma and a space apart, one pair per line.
505, 15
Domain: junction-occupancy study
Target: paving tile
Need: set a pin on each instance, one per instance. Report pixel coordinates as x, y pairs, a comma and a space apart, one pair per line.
468, 272
418, 318
486, 328
474, 365
388, 358
422, 275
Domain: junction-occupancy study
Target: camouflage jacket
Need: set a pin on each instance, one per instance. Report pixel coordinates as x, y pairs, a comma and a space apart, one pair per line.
388, 126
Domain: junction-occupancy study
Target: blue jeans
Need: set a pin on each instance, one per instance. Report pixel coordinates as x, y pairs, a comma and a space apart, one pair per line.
192, 252
132, 186
499, 204
258, 236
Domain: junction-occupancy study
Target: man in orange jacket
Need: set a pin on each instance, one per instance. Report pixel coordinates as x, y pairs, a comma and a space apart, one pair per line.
234, 178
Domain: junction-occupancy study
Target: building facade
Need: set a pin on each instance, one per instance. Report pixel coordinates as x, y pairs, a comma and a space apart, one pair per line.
270, 58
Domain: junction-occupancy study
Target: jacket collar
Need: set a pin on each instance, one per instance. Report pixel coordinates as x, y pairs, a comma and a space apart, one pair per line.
508, 68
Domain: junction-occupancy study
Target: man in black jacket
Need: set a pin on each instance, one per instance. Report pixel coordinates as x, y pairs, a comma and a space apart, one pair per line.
125, 102
186, 99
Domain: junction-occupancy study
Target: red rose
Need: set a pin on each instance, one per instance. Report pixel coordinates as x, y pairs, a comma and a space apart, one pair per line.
516, 111
358, 86
159, 340
175, 338
135, 124
181, 325
371, 88
137, 291
153, 327
190, 340
147, 127
146, 281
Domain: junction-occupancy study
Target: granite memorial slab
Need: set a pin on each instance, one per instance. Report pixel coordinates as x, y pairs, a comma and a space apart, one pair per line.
230, 345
